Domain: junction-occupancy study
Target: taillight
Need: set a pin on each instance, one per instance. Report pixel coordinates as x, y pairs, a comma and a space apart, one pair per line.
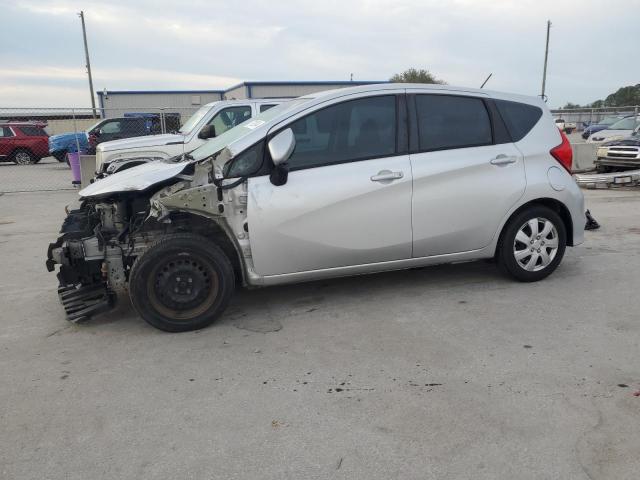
563, 152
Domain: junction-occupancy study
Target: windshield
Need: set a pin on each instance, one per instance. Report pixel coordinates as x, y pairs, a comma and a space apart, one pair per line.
628, 123
218, 143
194, 120
90, 129
608, 120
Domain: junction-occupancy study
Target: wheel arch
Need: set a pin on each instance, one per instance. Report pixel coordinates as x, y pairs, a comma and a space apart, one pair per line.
211, 229
551, 203
22, 149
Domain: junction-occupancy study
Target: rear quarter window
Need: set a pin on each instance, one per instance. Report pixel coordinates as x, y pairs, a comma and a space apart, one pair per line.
519, 118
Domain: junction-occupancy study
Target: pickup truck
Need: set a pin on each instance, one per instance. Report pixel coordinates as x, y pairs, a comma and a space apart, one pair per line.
210, 120
566, 127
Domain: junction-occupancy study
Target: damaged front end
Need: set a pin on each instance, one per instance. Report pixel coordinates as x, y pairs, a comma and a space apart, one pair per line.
118, 218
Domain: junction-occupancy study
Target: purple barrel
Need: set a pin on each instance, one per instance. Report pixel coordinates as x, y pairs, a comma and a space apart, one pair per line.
74, 163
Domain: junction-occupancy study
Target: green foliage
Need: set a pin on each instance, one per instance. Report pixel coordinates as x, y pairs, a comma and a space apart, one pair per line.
623, 97
413, 75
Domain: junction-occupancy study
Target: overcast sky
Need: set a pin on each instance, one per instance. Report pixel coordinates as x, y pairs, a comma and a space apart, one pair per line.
209, 44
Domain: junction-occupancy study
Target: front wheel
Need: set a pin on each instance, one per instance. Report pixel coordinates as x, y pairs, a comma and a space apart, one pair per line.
532, 244
182, 282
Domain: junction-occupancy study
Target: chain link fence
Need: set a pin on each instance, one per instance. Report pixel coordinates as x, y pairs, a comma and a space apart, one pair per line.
34, 142
583, 117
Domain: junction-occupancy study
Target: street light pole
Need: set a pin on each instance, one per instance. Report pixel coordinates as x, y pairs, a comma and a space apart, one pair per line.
546, 57
86, 54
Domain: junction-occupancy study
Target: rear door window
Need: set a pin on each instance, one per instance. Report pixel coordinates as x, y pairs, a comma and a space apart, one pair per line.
448, 121
519, 118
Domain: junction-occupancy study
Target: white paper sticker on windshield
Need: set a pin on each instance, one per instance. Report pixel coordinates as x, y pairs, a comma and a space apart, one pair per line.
254, 124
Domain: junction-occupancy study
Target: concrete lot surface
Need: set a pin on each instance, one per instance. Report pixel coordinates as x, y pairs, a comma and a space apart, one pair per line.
451, 372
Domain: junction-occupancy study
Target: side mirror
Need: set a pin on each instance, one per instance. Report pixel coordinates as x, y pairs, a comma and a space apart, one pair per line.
281, 146
208, 131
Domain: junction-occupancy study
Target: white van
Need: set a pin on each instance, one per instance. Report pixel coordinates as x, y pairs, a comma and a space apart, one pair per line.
209, 121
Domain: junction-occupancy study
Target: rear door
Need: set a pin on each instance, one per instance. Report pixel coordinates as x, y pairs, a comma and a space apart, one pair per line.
466, 173
347, 199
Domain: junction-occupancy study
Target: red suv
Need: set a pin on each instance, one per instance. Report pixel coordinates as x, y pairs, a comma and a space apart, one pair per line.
23, 143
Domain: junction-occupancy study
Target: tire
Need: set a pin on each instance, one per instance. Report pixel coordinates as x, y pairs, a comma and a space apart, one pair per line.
60, 156
23, 157
182, 282
516, 253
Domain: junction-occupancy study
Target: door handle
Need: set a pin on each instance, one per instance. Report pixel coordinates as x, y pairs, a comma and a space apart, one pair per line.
503, 159
386, 175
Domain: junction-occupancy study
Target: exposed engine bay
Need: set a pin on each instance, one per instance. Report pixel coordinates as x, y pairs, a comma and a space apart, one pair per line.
104, 233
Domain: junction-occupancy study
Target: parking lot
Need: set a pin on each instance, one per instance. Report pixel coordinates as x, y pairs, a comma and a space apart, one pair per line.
446, 372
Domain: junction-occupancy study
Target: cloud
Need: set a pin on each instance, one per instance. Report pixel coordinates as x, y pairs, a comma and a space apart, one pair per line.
163, 44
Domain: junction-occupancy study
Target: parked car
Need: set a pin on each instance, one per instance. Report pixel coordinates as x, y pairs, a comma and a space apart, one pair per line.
342, 182
617, 131
131, 125
591, 128
23, 143
210, 120
564, 126
619, 154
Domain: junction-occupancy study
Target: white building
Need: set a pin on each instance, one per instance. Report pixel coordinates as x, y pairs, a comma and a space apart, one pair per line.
185, 102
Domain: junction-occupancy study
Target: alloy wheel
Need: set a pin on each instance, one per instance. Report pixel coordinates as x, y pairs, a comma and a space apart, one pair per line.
536, 244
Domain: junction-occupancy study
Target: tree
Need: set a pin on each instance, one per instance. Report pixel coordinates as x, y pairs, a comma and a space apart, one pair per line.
572, 105
413, 75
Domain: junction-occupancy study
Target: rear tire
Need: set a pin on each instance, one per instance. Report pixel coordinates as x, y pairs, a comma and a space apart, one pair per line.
23, 157
182, 282
532, 244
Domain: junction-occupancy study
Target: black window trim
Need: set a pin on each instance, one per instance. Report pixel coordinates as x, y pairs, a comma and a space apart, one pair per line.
397, 153
415, 144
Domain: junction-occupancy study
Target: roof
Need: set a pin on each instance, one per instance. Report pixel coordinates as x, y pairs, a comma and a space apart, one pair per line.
156, 92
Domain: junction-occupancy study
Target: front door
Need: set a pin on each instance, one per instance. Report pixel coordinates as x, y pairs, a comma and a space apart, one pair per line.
347, 200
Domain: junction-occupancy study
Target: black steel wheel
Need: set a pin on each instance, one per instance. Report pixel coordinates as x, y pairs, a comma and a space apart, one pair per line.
182, 282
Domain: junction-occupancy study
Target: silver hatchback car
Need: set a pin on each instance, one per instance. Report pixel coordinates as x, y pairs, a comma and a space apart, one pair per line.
343, 182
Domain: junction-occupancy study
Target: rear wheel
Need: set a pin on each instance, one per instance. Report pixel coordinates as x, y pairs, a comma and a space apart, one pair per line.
23, 157
532, 244
182, 282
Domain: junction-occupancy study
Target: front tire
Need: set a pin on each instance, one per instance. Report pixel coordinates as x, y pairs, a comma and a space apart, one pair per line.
182, 282
532, 244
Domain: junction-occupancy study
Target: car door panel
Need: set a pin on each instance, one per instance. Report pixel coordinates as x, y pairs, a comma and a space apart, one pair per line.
460, 196
331, 216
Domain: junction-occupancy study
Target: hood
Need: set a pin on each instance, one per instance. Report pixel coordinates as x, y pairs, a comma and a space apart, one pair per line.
602, 135
65, 141
146, 141
632, 141
134, 179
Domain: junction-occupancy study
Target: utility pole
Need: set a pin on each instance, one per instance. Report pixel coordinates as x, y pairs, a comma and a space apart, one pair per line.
546, 57
86, 54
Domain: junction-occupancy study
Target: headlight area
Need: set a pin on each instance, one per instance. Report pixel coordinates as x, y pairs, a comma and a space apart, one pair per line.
98, 243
